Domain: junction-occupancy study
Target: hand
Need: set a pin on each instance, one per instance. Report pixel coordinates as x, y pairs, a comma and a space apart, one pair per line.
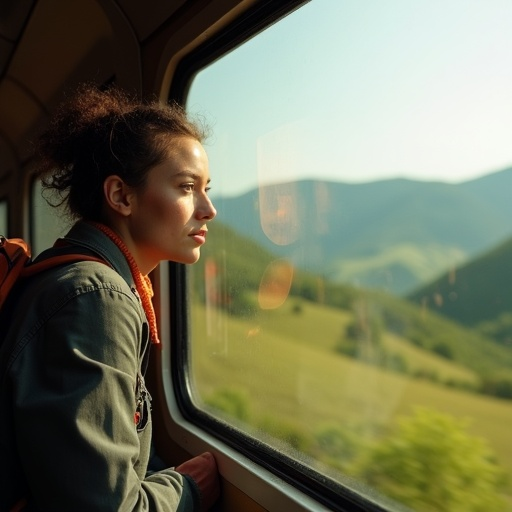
203, 470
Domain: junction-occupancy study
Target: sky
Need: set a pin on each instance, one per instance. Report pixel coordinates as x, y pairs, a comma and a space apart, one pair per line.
363, 90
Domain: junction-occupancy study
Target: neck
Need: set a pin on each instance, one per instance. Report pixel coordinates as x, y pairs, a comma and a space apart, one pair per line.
122, 231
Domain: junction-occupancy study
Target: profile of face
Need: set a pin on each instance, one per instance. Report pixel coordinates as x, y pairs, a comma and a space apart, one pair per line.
170, 213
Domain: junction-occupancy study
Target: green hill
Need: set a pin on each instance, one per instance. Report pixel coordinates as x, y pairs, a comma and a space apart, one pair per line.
476, 292
238, 266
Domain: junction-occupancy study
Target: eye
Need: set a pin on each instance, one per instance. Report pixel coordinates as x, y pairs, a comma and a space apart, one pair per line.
188, 187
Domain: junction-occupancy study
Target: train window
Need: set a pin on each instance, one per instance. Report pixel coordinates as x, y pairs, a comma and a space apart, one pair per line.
46, 223
4, 220
352, 310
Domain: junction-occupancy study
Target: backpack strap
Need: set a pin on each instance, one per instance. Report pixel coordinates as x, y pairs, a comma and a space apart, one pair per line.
14, 256
53, 261
16, 263
19, 506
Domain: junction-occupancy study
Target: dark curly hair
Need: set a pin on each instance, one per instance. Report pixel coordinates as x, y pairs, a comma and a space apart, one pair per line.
98, 133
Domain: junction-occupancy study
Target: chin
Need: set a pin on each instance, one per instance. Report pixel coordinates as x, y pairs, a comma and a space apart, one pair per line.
188, 259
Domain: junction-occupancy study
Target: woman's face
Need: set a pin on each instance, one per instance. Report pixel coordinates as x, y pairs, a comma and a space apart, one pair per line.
171, 211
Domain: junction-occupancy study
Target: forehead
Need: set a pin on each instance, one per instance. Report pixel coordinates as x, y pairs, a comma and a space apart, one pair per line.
178, 144
182, 147
184, 155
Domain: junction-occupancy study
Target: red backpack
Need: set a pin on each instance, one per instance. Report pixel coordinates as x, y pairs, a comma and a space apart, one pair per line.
16, 263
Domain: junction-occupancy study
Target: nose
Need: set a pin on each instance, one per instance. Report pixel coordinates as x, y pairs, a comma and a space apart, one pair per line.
206, 210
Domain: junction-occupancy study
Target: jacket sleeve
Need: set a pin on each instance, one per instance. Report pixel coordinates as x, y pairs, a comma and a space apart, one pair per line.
191, 495
74, 411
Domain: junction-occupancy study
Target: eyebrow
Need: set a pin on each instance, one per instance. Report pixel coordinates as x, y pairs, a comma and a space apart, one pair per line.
190, 174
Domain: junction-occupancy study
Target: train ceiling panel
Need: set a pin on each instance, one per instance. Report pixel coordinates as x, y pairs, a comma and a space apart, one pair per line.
57, 40
8, 161
137, 12
13, 14
18, 111
5, 52
48, 46
55, 44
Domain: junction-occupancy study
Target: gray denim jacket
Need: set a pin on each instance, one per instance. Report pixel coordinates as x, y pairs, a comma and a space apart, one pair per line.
75, 425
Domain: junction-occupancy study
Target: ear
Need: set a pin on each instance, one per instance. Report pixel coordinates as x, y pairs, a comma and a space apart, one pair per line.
118, 195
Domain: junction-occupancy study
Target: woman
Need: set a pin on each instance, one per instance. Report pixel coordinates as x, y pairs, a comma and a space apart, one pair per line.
78, 428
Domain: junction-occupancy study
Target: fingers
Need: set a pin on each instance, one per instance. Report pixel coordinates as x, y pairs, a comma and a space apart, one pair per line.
203, 470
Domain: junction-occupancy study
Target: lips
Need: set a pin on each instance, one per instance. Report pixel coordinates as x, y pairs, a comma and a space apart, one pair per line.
199, 236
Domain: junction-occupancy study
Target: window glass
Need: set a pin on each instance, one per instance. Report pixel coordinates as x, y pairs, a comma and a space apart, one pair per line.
352, 304
47, 222
4, 219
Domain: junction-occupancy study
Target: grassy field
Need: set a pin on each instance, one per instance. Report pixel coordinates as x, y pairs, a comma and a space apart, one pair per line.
282, 364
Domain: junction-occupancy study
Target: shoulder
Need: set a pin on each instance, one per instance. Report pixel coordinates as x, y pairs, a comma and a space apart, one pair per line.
83, 286
75, 306
81, 277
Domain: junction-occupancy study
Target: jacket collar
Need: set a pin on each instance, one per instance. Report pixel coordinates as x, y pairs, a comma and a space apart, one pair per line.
86, 235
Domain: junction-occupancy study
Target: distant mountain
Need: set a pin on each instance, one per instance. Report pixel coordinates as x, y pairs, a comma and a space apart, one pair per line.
391, 234
477, 292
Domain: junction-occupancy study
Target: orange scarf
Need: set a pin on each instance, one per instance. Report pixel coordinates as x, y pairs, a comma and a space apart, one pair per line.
142, 283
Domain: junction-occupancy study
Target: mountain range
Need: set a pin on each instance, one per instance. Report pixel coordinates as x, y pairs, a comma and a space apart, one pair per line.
395, 234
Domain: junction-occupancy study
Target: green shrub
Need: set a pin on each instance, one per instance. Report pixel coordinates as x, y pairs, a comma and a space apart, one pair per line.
432, 464
235, 403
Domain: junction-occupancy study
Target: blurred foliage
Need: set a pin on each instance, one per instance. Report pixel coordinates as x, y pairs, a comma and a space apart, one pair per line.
499, 329
432, 464
429, 462
235, 403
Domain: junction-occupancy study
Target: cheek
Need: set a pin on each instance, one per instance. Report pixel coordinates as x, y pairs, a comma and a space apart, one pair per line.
166, 208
